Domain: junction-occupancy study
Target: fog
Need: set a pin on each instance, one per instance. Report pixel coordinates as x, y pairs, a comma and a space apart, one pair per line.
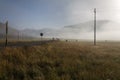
54, 15
106, 30
82, 10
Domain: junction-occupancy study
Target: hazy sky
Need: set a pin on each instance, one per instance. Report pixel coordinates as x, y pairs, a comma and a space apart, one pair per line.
39, 14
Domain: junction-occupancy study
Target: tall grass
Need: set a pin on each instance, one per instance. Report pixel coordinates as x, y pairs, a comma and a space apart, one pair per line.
60, 61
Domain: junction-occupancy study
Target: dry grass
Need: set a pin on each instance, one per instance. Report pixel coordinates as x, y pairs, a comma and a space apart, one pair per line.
61, 61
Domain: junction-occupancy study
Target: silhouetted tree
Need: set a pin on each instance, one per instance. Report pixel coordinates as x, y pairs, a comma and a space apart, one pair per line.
66, 40
41, 34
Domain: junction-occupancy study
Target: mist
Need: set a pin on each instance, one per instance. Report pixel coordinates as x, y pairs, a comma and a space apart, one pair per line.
52, 16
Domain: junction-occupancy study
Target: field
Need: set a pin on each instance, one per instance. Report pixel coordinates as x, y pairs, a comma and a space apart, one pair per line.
61, 61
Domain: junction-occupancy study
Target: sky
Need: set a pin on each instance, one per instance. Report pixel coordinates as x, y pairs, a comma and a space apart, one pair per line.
38, 14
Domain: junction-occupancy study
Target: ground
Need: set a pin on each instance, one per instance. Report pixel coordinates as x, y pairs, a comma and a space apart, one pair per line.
61, 61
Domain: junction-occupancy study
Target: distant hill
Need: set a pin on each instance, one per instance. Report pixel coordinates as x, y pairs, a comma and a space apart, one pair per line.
106, 29
12, 33
71, 31
87, 26
36, 33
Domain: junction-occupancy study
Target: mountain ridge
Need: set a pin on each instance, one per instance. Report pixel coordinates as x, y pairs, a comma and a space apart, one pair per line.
69, 30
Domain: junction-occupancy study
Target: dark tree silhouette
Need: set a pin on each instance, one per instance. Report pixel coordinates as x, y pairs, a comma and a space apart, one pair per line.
41, 34
66, 40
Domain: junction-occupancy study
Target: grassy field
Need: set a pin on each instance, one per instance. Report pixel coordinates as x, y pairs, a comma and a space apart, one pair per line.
61, 61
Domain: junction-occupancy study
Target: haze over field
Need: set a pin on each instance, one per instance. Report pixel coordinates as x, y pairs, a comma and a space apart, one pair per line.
59, 39
106, 30
63, 18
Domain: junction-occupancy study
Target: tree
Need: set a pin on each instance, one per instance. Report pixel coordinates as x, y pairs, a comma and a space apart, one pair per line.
41, 34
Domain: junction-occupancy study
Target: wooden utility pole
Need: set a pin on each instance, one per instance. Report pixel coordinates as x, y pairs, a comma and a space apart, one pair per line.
18, 36
6, 42
94, 26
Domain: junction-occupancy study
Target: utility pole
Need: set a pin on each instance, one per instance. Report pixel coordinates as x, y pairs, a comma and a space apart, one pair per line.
6, 42
95, 26
18, 36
